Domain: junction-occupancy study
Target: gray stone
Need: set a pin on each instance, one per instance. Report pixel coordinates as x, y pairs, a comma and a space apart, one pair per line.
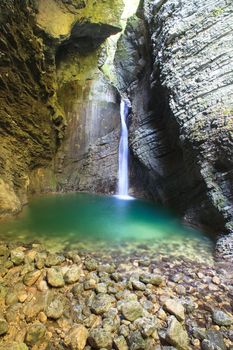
73, 274
120, 343
31, 277
147, 325
175, 308
55, 309
138, 285
54, 259
99, 338
3, 326
156, 280
91, 264
101, 303
55, 277
136, 341
176, 335
13, 346
17, 256
213, 341
35, 333
132, 310
221, 318
76, 338
101, 288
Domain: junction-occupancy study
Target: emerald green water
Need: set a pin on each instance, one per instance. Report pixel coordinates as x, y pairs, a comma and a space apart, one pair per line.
84, 216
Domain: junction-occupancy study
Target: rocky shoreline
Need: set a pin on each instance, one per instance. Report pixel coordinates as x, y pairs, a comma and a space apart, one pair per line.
132, 296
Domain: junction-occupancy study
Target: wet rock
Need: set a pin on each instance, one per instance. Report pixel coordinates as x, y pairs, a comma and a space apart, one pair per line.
40, 262
176, 335
138, 285
31, 277
11, 298
90, 284
3, 326
146, 325
175, 308
101, 288
155, 280
91, 264
55, 277
214, 341
199, 333
54, 259
136, 341
120, 343
73, 274
13, 346
221, 318
35, 333
17, 256
99, 338
4, 251
109, 268
101, 303
132, 310
76, 338
55, 309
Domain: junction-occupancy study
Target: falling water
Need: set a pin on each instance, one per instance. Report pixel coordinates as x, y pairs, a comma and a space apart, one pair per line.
123, 182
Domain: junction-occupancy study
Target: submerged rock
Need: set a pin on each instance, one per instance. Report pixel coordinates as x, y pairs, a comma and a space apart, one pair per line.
17, 256
76, 338
35, 333
73, 274
176, 335
3, 326
99, 338
13, 346
175, 308
101, 303
55, 309
213, 341
120, 343
221, 318
55, 277
31, 277
132, 310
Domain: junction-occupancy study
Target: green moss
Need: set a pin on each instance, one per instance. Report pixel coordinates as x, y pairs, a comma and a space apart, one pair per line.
228, 111
217, 11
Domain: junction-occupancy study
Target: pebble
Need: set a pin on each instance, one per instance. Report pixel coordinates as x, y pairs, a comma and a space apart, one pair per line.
35, 333
176, 335
73, 274
55, 309
55, 277
3, 326
175, 308
76, 338
17, 256
132, 310
101, 303
221, 318
31, 277
99, 339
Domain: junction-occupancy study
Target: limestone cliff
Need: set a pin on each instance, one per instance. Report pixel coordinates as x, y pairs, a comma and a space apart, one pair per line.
39, 39
182, 121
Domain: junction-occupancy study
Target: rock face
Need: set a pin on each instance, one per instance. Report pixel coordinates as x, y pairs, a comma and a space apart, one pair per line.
37, 48
181, 123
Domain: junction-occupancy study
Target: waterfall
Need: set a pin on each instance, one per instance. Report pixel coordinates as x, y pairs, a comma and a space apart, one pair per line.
123, 178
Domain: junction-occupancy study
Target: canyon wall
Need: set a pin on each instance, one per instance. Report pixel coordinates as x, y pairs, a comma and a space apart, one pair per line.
182, 121
50, 57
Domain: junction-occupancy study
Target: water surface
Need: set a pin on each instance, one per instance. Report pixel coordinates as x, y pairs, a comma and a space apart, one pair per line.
82, 216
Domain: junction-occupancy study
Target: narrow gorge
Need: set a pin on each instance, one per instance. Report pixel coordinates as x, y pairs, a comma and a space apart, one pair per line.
116, 174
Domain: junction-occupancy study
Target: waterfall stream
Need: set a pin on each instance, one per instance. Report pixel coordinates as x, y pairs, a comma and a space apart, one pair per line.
123, 177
